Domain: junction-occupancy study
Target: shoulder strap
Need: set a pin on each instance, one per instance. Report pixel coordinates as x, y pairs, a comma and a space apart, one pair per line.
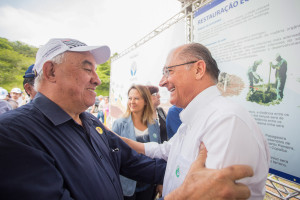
161, 113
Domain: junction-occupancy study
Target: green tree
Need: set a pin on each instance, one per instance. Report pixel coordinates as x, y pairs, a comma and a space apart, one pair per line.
24, 49
11, 64
15, 57
5, 44
103, 72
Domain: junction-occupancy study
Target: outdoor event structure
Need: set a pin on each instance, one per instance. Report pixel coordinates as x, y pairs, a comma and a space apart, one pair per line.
250, 40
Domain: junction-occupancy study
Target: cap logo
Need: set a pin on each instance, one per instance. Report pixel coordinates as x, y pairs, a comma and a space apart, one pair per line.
73, 43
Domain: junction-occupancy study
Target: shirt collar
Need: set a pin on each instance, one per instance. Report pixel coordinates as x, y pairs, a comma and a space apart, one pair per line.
198, 103
50, 109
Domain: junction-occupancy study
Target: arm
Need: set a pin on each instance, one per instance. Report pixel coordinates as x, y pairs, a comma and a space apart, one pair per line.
155, 150
137, 146
136, 166
276, 66
202, 183
249, 142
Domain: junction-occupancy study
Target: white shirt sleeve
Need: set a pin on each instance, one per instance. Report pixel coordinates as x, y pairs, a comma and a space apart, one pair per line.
234, 143
155, 150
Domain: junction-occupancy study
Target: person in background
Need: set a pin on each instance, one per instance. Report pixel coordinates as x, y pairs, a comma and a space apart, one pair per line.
228, 131
138, 124
105, 109
173, 120
4, 94
28, 82
159, 113
98, 107
4, 105
15, 95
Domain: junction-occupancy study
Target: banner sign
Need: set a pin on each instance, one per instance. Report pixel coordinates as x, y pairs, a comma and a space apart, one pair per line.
256, 45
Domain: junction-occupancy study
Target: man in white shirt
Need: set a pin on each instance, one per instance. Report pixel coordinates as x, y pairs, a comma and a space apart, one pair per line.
228, 131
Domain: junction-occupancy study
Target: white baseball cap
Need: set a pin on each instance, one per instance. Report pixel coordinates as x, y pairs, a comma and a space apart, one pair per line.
57, 46
16, 90
3, 93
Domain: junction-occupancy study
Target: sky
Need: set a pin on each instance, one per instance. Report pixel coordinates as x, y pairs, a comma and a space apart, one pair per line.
116, 23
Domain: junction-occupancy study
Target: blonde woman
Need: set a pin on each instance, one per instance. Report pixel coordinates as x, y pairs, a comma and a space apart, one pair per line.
138, 124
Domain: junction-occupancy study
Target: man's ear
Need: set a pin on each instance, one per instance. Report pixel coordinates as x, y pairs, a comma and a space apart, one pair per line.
27, 88
200, 69
49, 71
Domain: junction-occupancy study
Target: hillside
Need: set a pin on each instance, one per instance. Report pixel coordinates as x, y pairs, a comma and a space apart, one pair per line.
15, 57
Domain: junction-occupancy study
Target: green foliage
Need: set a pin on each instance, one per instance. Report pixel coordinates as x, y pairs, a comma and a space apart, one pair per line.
264, 95
24, 49
103, 72
15, 57
5, 44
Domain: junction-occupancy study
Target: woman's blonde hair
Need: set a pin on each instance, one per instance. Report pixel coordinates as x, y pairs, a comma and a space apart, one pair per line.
147, 116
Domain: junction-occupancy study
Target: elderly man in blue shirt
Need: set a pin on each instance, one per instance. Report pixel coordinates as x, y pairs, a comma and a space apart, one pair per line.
52, 149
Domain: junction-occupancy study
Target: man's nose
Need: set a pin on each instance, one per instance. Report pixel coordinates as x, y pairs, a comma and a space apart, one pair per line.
95, 79
163, 81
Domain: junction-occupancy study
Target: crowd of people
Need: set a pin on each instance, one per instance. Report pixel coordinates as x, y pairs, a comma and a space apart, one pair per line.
17, 98
101, 108
51, 148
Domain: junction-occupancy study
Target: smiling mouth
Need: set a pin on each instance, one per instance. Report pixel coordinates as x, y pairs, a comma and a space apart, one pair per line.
172, 90
91, 90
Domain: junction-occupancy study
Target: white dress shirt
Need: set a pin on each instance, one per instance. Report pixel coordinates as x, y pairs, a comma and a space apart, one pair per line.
229, 133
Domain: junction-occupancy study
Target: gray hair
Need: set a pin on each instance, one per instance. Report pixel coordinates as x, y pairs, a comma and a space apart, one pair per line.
196, 51
60, 58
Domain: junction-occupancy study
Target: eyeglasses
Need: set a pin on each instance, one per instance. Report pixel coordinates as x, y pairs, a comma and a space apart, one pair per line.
155, 94
166, 72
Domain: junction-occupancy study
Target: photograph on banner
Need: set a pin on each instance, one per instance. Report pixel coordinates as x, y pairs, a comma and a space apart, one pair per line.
254, 43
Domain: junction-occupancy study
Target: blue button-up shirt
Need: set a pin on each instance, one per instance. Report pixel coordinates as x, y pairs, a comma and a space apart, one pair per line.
45, 154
